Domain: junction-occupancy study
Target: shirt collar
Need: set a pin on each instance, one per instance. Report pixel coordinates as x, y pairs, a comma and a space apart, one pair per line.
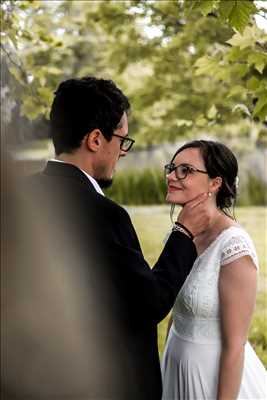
91, 179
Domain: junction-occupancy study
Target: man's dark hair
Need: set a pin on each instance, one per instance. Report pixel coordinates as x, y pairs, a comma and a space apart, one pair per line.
82, 105
220, 161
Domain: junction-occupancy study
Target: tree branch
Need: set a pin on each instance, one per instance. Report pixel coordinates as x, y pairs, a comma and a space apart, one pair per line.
261, 15
24, 75
262, 46
23, 72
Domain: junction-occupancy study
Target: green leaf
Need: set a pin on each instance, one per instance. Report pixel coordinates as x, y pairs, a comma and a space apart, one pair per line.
261, 102
26, 35
240, 70
259, 60
31, 109
248, 39
201, 121
45, 37
190, 5
212, 112
222, 73
58, 43
236, 55
237, 13
53, 70
45, 94
262, 114
241, 108
253, 83
207, 6
42, 80
225, 8
240, 14
236, 90
206, 65
262, 86
183, 122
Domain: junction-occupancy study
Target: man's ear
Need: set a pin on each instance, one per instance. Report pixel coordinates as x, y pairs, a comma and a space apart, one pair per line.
93, 140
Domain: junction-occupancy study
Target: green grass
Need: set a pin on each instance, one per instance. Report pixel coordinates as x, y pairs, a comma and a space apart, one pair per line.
153, 222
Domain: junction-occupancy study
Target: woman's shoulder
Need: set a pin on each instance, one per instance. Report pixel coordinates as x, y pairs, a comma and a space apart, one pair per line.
236, 243
235, 232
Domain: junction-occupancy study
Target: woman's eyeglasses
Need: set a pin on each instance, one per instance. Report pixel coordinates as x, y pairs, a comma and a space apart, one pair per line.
182, 170
126, 142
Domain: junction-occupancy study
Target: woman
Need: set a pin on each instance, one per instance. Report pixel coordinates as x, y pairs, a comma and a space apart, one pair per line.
207, 355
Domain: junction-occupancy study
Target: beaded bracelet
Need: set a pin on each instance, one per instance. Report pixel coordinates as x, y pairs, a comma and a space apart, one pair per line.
181, 228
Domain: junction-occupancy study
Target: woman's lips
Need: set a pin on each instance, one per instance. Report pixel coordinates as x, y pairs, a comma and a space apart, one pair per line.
173, 188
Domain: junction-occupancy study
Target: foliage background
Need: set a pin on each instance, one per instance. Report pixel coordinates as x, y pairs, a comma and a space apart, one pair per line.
186, 65
148, 186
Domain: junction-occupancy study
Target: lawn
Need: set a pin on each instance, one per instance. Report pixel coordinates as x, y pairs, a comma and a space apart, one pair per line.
152, 224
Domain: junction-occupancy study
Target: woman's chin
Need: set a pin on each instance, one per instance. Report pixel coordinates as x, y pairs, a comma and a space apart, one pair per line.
171, 200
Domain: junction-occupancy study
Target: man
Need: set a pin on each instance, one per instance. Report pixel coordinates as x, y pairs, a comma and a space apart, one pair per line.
93, 240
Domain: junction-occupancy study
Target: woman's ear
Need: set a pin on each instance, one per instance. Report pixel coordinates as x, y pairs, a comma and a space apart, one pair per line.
93, 140
215, 184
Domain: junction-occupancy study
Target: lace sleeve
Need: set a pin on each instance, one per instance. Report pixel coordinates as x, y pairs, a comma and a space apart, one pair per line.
238, 246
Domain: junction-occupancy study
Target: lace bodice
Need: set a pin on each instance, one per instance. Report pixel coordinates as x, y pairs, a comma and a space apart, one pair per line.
196, 309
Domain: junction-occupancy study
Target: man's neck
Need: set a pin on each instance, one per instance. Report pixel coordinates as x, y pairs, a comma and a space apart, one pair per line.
69, 159
76, 160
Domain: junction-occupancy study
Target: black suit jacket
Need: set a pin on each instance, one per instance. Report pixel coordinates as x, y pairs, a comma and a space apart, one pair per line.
122, 298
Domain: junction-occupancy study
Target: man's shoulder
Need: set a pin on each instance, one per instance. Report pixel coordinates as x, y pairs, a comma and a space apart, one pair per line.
73, 188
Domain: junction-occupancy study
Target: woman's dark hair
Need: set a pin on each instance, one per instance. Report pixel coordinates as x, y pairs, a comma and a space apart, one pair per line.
82, 105
219, 161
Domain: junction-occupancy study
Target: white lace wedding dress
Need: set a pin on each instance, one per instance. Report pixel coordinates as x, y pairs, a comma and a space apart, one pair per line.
190, 364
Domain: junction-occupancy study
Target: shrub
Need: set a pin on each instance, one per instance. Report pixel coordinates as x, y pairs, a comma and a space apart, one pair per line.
258, 337
253, 193
148, 186
136, 187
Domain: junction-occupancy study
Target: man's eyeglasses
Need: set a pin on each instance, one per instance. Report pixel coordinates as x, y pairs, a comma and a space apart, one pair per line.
126, 142
182, 170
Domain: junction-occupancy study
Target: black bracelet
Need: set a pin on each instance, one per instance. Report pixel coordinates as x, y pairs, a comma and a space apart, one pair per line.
187, 230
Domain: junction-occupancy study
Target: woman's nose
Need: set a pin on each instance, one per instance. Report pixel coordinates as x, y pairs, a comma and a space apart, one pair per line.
171, 176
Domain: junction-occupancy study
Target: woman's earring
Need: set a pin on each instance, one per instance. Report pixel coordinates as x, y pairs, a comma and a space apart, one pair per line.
209, 194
